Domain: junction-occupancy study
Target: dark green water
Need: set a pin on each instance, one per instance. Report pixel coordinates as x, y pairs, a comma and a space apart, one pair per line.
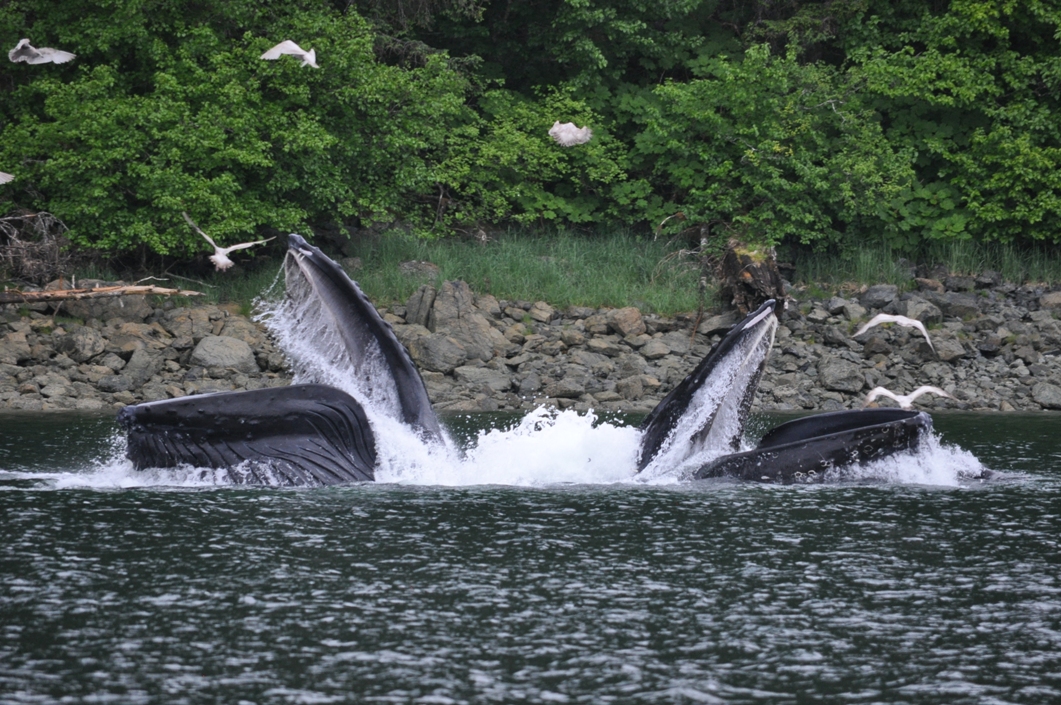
862, 592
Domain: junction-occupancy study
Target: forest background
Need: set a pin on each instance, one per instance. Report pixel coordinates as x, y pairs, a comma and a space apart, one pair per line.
827, 125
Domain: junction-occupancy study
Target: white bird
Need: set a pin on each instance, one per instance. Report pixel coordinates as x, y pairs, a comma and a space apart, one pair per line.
901, 320
308, 58
220, 256
5, 178
24, 51
567, 135
906, 401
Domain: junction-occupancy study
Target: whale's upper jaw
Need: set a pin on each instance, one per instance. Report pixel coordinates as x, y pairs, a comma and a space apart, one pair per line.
708, 409
359, 334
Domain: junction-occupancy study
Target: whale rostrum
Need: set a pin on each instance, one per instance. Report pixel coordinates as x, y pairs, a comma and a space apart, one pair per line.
316, 432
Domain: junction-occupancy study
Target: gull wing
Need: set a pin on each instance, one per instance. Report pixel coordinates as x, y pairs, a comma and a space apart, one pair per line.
285, 47
302, 435
47, 55
244, 245
5, 177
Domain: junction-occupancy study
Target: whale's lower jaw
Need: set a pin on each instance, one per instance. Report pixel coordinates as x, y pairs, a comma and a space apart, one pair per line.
817, 447
302, 435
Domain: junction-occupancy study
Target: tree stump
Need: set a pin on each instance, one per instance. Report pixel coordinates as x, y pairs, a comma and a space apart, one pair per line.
749, 276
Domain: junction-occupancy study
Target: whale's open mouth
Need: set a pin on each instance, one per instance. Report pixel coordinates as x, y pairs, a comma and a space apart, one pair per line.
707, 411
334, 335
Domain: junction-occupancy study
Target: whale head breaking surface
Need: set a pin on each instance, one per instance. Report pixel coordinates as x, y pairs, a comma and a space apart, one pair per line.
709, 408
353, 376
334, 335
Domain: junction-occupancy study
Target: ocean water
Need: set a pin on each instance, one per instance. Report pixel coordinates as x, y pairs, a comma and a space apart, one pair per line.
534, 568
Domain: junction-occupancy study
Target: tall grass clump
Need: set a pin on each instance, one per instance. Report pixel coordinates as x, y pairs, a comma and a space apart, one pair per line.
1018, 263
872, 264
562, 268
876, 263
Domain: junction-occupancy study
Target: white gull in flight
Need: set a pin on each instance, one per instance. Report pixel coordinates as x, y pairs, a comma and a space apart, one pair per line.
904, 401
901, 320
220, 256
26, 52
288, 47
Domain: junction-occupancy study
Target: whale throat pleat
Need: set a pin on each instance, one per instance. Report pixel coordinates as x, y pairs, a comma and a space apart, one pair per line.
302, 435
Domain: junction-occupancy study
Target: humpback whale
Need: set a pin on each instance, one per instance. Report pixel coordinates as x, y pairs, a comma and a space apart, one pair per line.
316, 432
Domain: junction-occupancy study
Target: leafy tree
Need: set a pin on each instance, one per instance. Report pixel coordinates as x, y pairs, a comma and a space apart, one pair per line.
157, 117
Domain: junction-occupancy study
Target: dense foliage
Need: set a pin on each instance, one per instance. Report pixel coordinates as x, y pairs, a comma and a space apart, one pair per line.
828, 122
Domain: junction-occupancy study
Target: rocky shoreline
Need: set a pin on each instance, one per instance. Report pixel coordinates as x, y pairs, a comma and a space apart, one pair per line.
997, 347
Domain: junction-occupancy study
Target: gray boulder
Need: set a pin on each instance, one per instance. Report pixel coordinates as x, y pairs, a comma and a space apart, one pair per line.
841, 376
719, 323
418, 307
879, 295
454, 313
437, 352
1047, 395
626, 321
918, 308
128, 308
14, 348
222, 351
567, 388
484, 377
82, 344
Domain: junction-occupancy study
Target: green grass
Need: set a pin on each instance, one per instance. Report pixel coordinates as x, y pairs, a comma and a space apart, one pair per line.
877, 264
561, 268
613, 269
564, 269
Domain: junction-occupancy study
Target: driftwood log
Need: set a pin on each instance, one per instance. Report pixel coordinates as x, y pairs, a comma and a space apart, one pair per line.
18, 297
749, 276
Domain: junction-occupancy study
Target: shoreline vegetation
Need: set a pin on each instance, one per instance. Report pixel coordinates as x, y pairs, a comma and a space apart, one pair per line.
602, 270
801, 124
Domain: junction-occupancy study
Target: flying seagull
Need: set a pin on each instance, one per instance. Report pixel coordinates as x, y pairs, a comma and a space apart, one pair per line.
567, 135
901, 320
24, 51
4, 177
220, 256
906, 401
308, 58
